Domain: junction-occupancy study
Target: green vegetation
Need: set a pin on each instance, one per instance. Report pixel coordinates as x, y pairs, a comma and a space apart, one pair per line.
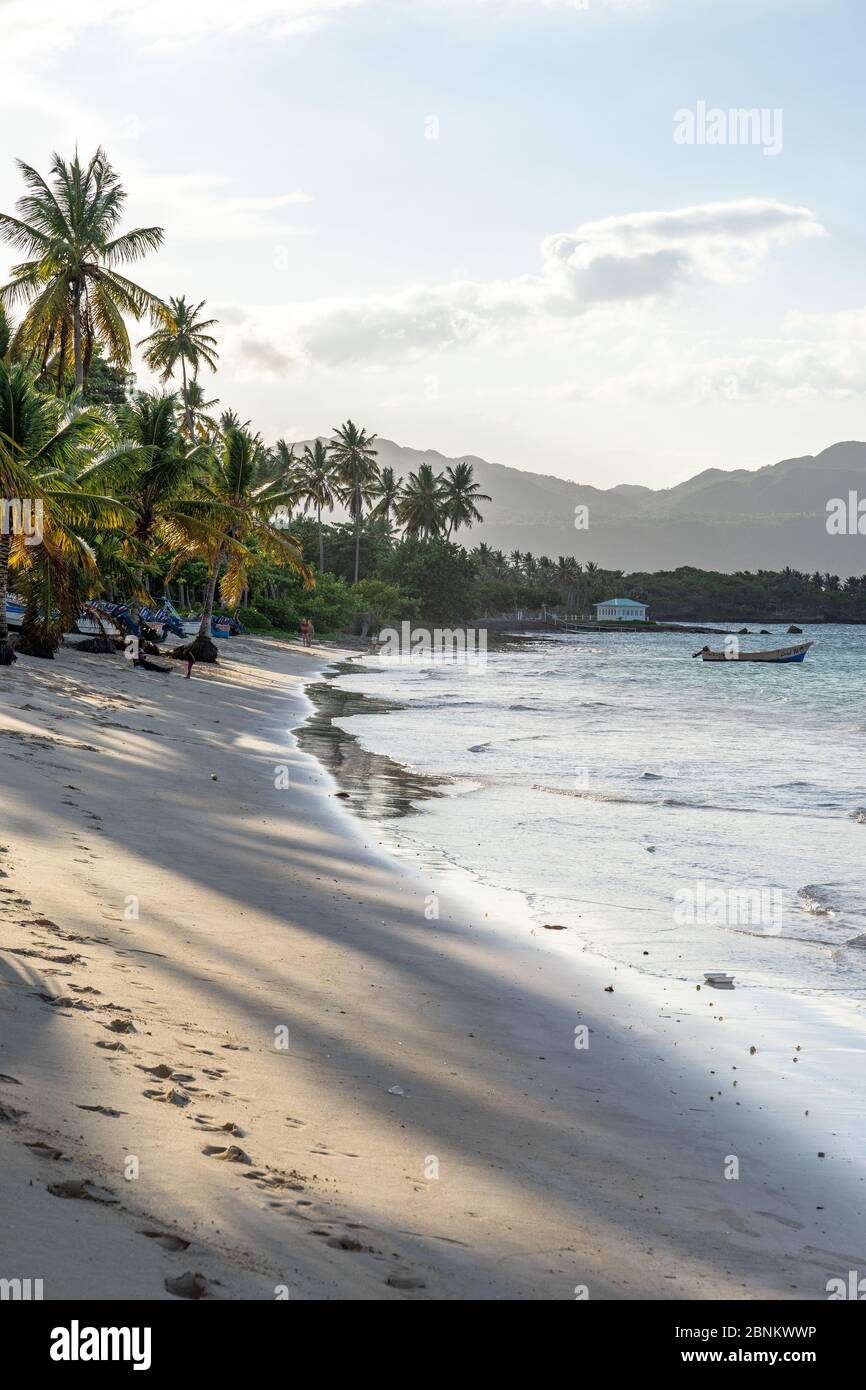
153, 492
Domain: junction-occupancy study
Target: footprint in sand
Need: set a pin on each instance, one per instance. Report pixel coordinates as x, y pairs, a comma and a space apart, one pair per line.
9, 1080
101, 1110
295, 1124
9, 1115
83, 1190
228, 1128
189, 1285
167, 1240
44, 1150
111, 1047
162, 1070
170, 1097
120, 1025
230, 1155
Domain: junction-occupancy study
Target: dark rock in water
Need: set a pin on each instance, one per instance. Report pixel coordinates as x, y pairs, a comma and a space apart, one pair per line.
743, 632
794, 628
765, 632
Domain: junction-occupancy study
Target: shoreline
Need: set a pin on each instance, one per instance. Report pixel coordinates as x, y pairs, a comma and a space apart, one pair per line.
505, 1164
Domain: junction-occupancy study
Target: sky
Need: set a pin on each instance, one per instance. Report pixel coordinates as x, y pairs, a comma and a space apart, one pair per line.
533, 230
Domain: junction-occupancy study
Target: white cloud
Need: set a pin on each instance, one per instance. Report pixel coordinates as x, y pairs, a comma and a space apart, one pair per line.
203, 206
39, 32
622, 261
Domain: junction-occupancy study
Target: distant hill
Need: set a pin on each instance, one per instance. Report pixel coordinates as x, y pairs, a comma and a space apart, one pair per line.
718, 520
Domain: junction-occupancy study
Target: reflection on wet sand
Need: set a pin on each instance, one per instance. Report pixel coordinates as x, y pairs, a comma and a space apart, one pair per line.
377, 788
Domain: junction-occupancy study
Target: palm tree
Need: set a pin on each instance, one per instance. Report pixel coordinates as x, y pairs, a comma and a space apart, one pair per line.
460, 493
385, 492
158, 475
356, 472
240, 484
75, 294
184, 340
319, 485
46, 456
421, 508
205, 423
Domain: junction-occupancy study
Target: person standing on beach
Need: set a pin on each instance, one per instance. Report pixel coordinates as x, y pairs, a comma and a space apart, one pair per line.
311, 632
306, 631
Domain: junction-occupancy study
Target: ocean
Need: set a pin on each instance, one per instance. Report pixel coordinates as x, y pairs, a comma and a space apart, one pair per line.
669, 815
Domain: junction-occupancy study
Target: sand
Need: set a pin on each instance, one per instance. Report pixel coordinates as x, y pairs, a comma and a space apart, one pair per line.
230, 1013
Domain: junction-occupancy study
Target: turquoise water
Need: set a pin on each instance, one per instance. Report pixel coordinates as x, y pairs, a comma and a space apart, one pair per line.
675, 815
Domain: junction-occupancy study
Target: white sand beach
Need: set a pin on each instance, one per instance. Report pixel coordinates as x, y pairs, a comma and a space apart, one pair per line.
430, 1130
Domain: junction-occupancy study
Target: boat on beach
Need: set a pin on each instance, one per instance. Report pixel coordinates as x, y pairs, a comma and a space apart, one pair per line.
778, 655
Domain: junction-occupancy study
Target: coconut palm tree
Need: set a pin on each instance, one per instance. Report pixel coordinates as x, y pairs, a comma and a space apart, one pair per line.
356, 471
385, 493
46, 456
183, 341
319, 486
204, 421
76, 296
421, 508
240, 485
460, 493
158, 474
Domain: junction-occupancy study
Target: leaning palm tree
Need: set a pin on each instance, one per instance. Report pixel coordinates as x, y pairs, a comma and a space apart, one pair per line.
460, 494
319, 486
356, 472
46, 456
76, 296
184, 341
239, 484
421, 508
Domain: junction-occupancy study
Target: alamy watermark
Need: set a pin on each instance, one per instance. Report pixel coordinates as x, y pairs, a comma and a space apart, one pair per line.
704, 905
733, 125
459, 645
846, 516
22, 516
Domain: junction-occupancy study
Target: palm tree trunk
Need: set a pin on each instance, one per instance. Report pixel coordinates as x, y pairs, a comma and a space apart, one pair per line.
186, 407
321, 540
209, 597
76, 336
357, 544
7, 655
203, 647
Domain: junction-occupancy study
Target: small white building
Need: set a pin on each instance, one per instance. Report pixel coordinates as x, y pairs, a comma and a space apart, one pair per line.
621, 610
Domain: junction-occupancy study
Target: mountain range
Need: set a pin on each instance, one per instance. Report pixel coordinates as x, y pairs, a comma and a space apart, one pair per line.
740, 519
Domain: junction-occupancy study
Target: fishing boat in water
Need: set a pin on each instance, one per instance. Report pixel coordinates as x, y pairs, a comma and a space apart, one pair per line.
779, 655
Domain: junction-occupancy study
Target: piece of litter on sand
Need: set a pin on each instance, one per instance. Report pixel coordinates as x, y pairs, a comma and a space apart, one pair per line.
552, 926
396, 1091
720, 978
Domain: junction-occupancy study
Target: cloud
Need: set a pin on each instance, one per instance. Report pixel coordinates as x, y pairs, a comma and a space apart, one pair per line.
257, 355
203, 206
618, 260
39, 33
